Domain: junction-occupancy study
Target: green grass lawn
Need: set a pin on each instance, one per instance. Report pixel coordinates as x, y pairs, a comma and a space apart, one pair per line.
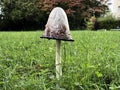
91, 62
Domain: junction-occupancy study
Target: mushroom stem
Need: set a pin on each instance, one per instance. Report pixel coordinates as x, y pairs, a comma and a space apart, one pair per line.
58, 60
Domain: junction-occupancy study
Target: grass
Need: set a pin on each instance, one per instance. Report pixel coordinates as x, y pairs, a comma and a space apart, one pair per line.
92, 62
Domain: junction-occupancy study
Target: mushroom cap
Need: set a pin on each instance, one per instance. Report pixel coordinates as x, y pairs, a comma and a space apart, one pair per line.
57, 26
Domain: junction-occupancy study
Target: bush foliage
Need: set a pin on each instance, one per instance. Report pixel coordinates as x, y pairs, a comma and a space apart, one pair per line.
108, 22
92, 24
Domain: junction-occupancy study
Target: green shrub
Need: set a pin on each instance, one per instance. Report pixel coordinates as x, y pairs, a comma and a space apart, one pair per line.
89, 25
108, 22
92, 23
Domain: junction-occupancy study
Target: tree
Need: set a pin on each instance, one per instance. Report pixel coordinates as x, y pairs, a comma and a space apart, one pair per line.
78, 10
20, 14
72, 6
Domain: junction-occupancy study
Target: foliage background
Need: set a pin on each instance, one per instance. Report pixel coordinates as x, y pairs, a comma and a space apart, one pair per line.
33, 14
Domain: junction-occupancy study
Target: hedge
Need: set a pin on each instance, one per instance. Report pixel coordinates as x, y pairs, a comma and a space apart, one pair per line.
108, 23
